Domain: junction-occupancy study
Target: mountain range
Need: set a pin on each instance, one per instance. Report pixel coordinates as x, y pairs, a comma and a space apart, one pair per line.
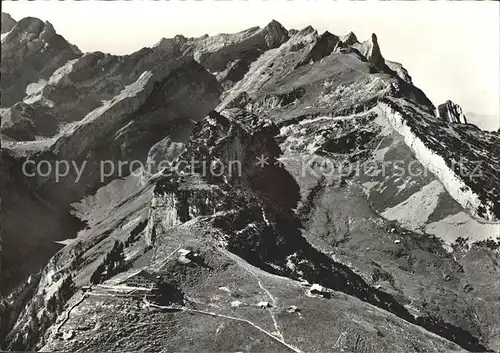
332, 207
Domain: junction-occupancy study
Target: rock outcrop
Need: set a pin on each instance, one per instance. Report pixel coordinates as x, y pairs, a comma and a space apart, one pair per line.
81, 85
7, 23
324, 46
371, 50
451, 112
31, 52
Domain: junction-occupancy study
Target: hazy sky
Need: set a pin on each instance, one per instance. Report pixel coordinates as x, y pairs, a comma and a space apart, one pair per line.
451, 49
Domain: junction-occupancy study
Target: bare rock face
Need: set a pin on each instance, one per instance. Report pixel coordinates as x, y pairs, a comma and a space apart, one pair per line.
324, 46
400, 70
7, 22
31, 51
451, 112
349, 39
216, 52
371, 50
231, 54
75, 89
22, 240
161, 153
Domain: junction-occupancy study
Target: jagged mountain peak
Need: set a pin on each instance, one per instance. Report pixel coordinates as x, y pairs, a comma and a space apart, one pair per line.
276, 34
307, 30
349, 39
171, 44
327, 34
451, 112
35, 43
33, 26
276, 24
7, 22
399, 70
371, 50
179, 38
32, 23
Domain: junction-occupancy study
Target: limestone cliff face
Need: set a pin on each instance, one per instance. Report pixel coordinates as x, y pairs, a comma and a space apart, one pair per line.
451, 112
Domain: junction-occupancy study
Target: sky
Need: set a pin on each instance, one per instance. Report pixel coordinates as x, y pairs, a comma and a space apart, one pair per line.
450, 48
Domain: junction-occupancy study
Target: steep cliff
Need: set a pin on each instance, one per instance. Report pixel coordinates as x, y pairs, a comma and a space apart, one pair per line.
31, 51
451, 112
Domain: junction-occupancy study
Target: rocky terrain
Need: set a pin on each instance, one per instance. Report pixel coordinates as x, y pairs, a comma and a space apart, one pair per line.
332, 208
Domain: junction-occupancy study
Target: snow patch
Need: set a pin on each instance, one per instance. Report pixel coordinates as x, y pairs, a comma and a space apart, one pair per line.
368, 186
61, 72
34, 93
463, 225
36, 87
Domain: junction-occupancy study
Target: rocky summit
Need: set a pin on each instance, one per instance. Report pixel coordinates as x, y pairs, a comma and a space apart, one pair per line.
270, 190
451, 112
